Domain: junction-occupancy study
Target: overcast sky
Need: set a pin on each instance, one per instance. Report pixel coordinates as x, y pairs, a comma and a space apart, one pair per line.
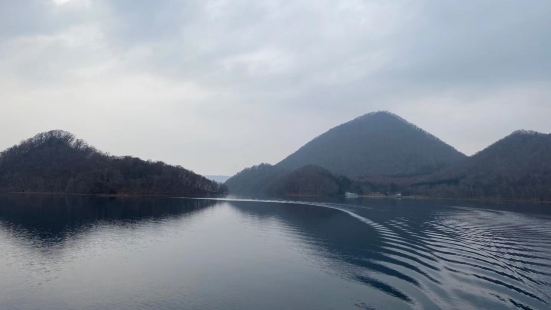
216, 86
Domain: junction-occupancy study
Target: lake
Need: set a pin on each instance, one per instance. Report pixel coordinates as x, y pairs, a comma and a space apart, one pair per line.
68, 252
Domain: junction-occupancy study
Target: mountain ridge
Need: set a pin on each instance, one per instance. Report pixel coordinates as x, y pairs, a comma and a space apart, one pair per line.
517, 166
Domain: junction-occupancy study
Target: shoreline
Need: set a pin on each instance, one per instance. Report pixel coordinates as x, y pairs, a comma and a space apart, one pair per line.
495, 200
103, 195
492, 200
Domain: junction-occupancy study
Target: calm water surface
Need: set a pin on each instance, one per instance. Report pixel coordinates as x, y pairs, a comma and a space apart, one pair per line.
100, 253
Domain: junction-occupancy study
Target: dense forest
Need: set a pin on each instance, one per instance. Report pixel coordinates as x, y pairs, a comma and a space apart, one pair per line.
57, 162
381, 154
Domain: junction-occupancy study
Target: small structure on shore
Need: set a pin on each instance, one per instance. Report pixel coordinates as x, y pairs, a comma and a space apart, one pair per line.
350, 195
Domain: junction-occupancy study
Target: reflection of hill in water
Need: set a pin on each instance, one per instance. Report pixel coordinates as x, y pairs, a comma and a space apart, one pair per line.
427, 254
51, 220
419, 253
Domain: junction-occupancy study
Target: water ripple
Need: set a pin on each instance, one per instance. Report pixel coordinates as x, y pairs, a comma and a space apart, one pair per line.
477, 257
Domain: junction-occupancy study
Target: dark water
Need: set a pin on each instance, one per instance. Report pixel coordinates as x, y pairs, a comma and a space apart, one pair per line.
99, 253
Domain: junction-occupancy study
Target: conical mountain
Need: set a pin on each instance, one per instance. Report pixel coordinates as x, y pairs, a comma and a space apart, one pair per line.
375, 144
58, 162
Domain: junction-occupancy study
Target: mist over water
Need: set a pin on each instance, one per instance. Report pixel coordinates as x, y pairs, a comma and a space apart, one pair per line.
101, 253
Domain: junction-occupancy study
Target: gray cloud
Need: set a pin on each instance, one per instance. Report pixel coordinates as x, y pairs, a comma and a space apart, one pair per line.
219, 85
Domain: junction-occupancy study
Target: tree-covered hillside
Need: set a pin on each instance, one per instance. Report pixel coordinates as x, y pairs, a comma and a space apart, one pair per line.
380, 153
267, 180
516, 167
57, 162
255, 180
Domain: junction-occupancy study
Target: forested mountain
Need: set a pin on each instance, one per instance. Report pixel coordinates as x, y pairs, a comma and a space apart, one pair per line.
57, 162
382, 153
309, 180
255, 180
374, 146
268, 180
516, 167
379, 143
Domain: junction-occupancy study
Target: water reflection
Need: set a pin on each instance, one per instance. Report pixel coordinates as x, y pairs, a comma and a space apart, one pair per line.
80, 252
49, 221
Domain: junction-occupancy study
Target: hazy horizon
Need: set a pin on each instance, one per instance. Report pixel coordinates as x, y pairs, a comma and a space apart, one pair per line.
217, 86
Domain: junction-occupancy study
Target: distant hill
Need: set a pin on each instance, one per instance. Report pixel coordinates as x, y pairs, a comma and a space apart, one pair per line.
515, 167
57, 162
309, 180
268, 180
375, 144
255, 180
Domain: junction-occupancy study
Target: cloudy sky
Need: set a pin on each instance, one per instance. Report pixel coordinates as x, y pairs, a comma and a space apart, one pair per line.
216, 86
